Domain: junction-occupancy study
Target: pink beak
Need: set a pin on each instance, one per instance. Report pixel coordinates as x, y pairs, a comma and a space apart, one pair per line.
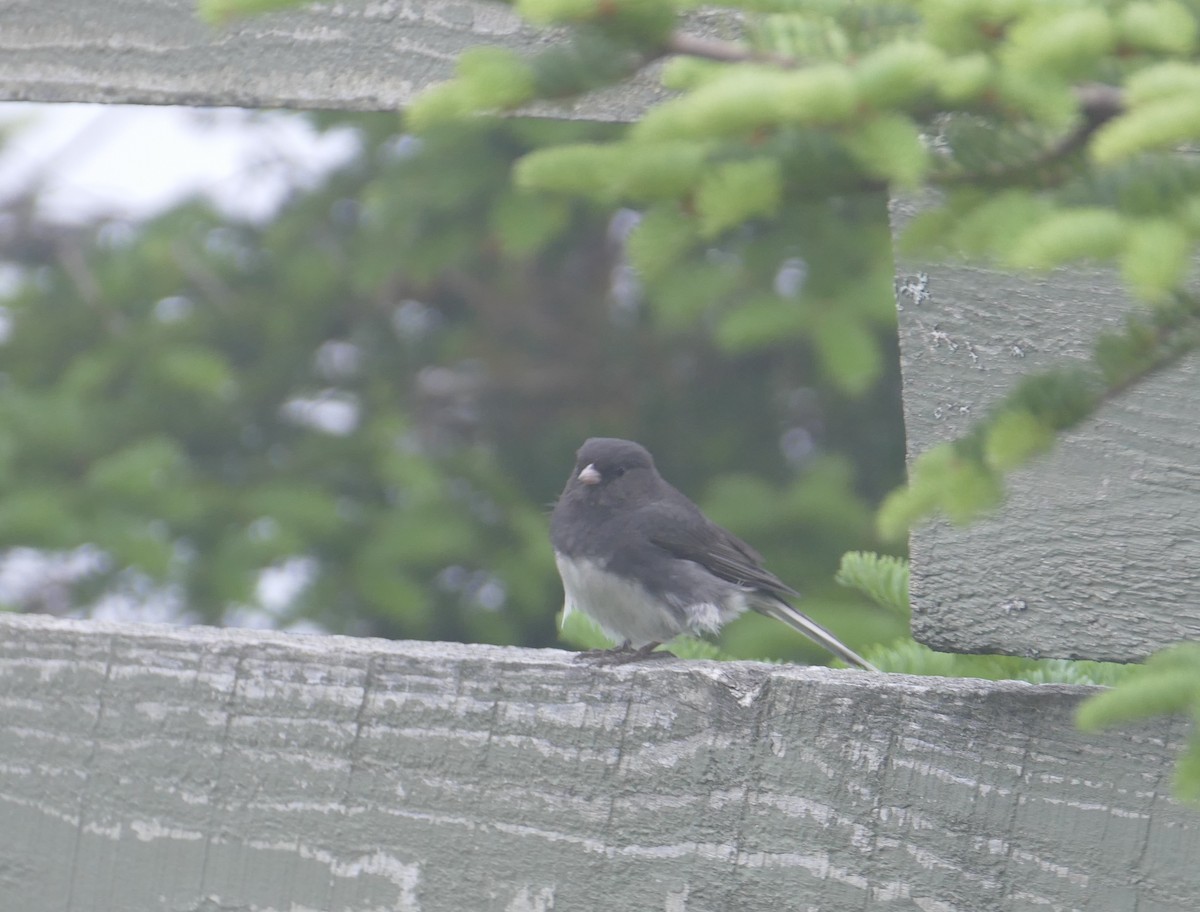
588, 475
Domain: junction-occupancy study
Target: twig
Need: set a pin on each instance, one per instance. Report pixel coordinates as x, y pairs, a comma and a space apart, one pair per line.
1175, 335
1098, 104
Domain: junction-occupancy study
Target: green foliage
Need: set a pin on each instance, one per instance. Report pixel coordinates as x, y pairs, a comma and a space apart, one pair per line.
882, 577
847, 349
168, 410
1154, 261
592, 58
1069, 235
741, 101
1038, 168
899, 74
173, 403
1013, 438
812, 30
838, 250
736, 192
942, 480
1157, 26
889, 147
524, 224
660, 241
964, 479
1055, 42
1158, 124
615, 173
1168, 684
581, 632
1162, 81
489, 79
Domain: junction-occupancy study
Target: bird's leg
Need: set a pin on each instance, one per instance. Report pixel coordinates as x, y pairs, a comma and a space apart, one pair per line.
622, 655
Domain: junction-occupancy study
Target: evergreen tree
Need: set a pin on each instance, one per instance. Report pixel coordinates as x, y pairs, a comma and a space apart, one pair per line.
379, 391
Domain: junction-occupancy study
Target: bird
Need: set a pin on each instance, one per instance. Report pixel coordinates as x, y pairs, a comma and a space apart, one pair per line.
642, 561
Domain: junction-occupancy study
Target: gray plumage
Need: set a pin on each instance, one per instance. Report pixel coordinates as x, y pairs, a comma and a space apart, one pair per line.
640, 559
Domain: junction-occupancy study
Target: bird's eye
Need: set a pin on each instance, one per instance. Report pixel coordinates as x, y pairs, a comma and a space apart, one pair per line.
619, 471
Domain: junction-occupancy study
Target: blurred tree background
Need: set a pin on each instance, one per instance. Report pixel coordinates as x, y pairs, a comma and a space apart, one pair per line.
354, 417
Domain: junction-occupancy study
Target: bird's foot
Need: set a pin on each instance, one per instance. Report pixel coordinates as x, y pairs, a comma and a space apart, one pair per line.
622, 655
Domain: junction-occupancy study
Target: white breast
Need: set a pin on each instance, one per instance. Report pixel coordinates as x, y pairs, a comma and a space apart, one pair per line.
624, 609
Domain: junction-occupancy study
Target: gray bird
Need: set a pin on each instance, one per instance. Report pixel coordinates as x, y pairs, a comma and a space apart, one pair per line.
640, 559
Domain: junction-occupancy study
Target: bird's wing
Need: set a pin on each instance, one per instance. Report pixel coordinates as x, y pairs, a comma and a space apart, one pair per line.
680, 529
676, 530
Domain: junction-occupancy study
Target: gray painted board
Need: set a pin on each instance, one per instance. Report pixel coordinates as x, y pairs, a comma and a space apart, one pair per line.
363, 55
149, 768
1096, 552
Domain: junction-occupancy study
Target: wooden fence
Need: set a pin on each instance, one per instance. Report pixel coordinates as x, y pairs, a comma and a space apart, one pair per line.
200, 770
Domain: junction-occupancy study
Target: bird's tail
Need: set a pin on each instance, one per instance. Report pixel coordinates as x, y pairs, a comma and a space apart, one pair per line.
782, 611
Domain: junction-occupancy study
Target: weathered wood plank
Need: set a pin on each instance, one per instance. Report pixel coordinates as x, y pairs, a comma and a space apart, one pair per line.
1095, 553
362, 55
148, 768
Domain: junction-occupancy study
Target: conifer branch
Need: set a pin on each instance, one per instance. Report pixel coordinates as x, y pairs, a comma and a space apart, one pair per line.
1052, 402
1175, 332
1098, 103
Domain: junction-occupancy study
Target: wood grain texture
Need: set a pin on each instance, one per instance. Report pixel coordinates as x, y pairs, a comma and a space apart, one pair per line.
363, 55
1095, 553
147, 768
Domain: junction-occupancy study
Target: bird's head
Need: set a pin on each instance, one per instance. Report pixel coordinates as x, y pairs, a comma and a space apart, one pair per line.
610, 470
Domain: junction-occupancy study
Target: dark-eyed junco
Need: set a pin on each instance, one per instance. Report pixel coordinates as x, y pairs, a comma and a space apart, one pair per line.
644, 563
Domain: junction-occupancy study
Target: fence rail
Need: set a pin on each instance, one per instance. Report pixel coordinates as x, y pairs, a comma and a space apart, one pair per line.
151, 768
359, 55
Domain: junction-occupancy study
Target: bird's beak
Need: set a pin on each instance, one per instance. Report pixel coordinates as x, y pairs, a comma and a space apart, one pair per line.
589, 475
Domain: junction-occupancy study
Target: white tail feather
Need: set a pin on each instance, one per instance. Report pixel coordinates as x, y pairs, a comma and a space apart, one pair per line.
782, 611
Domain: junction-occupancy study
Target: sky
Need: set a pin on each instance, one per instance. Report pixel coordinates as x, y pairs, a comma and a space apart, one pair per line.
134, 160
